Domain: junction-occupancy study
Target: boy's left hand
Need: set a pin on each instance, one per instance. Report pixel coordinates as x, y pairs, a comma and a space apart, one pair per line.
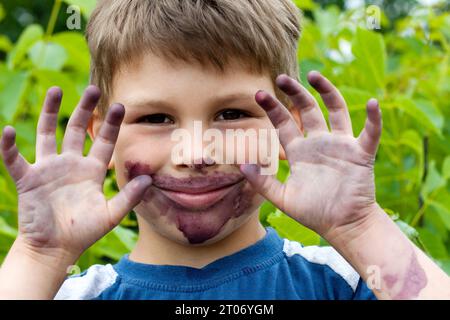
331, 185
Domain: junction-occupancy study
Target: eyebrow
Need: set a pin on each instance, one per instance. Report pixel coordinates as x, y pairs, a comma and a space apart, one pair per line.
225, 99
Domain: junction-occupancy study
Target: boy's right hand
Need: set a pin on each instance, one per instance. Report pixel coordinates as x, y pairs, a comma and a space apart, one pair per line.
61, 205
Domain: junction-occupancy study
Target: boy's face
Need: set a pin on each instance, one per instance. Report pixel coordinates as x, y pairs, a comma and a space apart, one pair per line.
187, 203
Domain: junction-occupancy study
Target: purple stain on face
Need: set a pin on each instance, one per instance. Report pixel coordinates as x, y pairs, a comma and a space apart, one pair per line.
134, 169
201, 226
197, 224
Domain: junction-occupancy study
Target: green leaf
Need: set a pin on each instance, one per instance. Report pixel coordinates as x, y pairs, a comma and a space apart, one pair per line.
2, 12
8, 195
433, 244
47, 55
305, 4
76, 48
441, 204
413, 140
29, 36
5, 44
292, 230
409, 231
48, 78
265, 210
126, 236
26, 138
12, 94
6, 230
445, 265
110, 246
433, 180
356, 98
443, 211
307, 65
283, 170
433, 113
446, 168
426, 114
370, 59
327, 19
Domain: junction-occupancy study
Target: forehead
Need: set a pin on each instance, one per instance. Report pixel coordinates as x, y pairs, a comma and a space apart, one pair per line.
157, 78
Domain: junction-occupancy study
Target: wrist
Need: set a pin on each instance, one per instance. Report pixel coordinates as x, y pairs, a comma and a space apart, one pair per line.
344, 235
32, 273
53, 258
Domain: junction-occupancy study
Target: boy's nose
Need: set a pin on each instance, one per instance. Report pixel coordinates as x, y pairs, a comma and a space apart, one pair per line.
200, 164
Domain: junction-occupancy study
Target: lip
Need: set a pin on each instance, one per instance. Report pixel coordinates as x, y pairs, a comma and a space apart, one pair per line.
199, 196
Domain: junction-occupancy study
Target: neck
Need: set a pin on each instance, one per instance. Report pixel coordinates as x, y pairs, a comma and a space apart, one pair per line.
153, 248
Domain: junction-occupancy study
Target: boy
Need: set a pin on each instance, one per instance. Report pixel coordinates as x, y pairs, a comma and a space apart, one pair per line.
169, 64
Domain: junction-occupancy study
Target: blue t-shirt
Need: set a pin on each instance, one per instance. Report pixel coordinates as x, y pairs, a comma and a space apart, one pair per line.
272, 268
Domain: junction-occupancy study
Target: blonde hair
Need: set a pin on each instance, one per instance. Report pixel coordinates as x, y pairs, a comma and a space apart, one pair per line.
261, 34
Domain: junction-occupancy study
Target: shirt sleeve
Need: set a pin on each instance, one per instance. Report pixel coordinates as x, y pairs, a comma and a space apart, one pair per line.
363, 292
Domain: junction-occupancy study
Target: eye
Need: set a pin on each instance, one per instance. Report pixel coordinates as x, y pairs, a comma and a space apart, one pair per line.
157, 118
231, 114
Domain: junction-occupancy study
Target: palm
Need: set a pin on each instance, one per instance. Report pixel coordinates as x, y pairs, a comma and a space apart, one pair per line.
61, 200
331, 181
328, 186
70, 192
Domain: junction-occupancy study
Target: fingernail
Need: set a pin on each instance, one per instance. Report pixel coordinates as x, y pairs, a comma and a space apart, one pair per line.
9, 130
143, 180
116, 112
260, 96
281, 80
55, 92
373, 101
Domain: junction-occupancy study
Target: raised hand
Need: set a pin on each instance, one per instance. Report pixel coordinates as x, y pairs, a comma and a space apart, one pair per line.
332, 172
60, 196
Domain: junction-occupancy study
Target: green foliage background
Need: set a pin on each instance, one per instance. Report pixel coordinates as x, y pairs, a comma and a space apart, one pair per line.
405, 65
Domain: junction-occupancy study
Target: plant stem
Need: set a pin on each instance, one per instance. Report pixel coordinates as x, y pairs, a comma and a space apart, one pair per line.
53, 17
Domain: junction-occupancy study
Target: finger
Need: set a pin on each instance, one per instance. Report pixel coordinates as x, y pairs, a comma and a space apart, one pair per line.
280, 117
128, 198
311, 115
75, 134
266, 185
48, 120
369, 137
338, 115
104, 143
15, 163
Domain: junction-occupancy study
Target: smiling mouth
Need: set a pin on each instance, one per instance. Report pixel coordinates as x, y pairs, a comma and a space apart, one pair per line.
198, 195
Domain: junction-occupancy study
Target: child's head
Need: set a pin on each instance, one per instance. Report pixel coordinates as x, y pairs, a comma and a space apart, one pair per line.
173, 62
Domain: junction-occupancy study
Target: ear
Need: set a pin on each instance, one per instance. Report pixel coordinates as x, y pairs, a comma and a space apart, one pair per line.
298, 120
93, 127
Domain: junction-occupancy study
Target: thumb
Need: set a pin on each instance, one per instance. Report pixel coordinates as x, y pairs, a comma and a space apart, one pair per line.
128, 198
266, 185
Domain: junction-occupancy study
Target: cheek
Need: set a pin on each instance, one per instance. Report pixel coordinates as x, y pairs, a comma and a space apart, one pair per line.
135, 168
136, 154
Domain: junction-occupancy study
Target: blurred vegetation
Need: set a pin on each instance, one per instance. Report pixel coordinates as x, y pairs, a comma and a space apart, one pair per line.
405, 64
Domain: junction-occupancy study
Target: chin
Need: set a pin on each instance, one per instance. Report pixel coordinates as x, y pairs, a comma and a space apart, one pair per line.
203, 223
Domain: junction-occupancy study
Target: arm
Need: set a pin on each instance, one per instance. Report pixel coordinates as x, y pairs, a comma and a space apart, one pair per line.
331, 190
62, 210
27, 274
392, 266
